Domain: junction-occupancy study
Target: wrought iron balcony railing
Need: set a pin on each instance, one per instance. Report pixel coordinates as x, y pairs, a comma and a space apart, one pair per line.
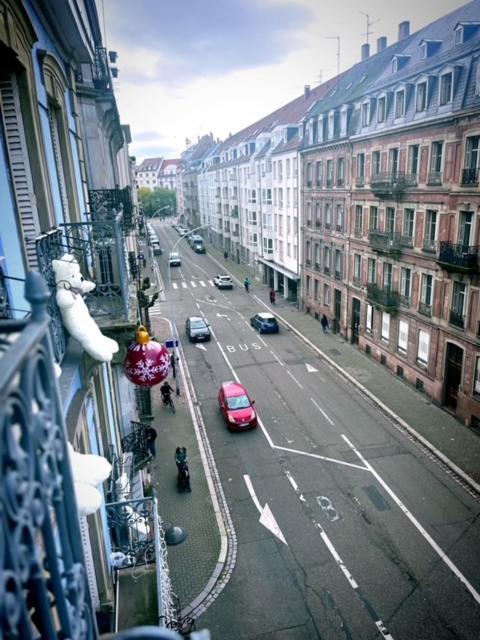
136, 443
457, 319
389, 183
425, 309
385, 242
470, 177
459, 257
360, 181
106, 203
5, 306
435, 178
46, 594
384, 298
102, 79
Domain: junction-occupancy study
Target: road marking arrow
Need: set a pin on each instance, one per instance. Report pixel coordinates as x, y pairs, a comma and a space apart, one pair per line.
267, 519
201, 346
221, 315
311, 369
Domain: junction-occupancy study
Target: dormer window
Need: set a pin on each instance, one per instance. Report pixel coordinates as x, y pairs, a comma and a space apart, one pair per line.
446, 86
381, 109
399, 62
465, 30
421, 97
400, 103
365, 114
428, 48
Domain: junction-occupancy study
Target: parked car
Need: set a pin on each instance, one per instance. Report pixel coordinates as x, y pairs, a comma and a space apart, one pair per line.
174, 259
157, 251
265, 323
237, 407
182, 231
197, 329
223, 281
196, 242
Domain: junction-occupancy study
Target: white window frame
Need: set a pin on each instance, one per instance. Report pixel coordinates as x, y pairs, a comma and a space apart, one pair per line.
369, 319
402, 90
385, 326
402, 343
476, 377
423, 347
445, 73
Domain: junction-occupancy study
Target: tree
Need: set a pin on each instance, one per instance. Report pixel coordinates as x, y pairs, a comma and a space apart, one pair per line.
152, 201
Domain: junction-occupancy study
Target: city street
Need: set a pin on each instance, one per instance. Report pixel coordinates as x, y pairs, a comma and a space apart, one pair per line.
345, 529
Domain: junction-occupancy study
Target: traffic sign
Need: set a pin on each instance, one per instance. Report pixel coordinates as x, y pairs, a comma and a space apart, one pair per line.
169, 344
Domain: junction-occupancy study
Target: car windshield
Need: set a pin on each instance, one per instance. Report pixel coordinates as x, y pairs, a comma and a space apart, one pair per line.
197, 324
238, 402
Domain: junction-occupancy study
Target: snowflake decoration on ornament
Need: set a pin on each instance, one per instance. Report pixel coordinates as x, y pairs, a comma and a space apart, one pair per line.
146, 370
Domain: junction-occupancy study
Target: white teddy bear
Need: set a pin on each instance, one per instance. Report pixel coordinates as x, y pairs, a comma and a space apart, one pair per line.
71, 287
89, 471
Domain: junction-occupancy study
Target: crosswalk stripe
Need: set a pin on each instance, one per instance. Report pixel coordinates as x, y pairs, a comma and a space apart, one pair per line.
210, 282
184, 285
203, 283
193, 284
174, 285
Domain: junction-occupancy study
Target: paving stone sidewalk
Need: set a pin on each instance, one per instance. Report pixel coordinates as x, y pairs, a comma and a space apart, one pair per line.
456, 444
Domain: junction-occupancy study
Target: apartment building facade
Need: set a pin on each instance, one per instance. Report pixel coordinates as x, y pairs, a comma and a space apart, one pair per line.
409, 290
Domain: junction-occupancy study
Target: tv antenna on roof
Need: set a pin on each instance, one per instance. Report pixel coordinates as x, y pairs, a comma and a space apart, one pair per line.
337, 38
368, 32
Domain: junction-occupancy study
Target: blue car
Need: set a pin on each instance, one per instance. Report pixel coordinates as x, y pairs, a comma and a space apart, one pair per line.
265, 323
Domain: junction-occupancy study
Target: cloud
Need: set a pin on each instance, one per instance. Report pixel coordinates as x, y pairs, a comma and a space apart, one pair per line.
193, 38
152, 151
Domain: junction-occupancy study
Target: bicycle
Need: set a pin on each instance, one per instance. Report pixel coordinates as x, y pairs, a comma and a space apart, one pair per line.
168, 402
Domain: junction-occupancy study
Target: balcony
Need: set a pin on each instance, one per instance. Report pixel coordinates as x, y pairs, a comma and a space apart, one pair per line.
99, 249
388, 184
308, 184
326, 270
358, 232
405, 301
308, 263
457, 319
429, 246
458, 258
329, 182
357, 281
470, 177
434, 178
5, 306
340, 182
106, 203
317, 266
308, 223
385, 299
101, 76
318, 224
338, 275
385, 242
339, 228
360, 182
328, 226
425, 309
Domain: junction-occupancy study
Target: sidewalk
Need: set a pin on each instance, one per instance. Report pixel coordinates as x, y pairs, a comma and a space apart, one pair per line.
456, 445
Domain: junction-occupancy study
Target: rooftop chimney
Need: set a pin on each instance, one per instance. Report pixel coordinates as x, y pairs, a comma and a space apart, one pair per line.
365, 51
306, 91
403, 29
381, 44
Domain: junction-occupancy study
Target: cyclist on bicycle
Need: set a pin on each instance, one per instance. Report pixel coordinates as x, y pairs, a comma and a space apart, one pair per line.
166, 389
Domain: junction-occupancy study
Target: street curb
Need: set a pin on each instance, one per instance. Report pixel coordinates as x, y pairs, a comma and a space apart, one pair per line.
228, 539
394, 416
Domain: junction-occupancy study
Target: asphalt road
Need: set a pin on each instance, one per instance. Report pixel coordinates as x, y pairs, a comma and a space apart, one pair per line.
364, 536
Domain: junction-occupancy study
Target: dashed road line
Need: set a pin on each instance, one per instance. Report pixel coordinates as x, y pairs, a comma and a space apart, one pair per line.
278, 360
322, 411
293, 378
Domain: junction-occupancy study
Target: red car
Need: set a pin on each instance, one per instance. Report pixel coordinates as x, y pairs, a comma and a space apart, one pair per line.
237, 407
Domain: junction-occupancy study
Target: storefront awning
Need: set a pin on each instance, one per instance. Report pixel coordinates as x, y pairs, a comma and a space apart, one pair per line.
279, 268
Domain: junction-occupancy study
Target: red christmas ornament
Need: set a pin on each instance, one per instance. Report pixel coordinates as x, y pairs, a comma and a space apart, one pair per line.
147, 362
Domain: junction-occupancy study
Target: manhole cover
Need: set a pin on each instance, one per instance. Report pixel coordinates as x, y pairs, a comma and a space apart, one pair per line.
335, 352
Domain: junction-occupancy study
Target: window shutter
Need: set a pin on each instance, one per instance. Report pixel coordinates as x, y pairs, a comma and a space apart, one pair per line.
19, 166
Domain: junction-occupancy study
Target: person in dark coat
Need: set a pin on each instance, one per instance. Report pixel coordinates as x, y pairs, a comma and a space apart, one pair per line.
151, 436
324, 323
246, 284
272, 296
225, 255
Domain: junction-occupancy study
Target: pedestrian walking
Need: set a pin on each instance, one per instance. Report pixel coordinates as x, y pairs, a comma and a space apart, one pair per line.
225, 255
246, 284
151, 436
272, 296
172, 364
324, 323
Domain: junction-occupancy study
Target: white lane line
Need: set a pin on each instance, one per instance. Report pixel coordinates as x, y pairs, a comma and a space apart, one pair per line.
319, 457
417, 524
252, 493
336, 556
262, 340
291, 480
277, 359
174, 285
322, 411
202, 283
184, 285
193, 284
293, 378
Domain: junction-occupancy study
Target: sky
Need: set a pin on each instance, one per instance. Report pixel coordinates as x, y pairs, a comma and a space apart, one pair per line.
191, 67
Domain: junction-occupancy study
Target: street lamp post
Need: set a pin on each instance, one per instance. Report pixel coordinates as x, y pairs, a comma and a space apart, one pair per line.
172, 305
167, 206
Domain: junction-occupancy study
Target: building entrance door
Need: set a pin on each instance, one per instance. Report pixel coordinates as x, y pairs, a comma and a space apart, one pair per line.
355, 319
337, 308
453, 374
